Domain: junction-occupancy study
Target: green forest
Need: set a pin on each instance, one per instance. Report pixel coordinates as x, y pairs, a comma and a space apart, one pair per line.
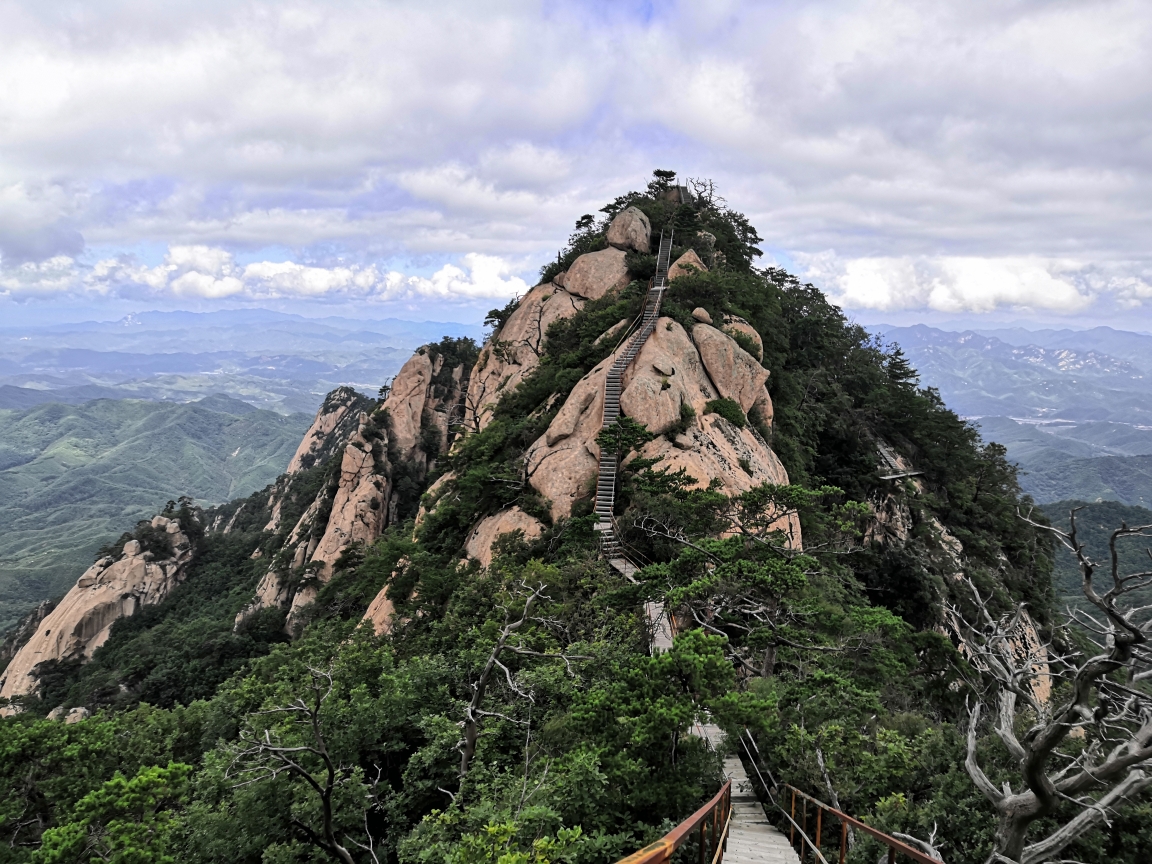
72, 476
515, 714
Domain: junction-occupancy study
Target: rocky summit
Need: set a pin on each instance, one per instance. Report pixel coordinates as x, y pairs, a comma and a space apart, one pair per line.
676, 520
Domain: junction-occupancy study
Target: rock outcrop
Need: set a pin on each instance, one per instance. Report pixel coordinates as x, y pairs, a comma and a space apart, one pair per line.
515, 350
595, 274
630, 230
489, 530
666, 387
407, 432
108, 590
687, 263
734, 325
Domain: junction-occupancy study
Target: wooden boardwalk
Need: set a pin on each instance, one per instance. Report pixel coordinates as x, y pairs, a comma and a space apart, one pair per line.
752, 839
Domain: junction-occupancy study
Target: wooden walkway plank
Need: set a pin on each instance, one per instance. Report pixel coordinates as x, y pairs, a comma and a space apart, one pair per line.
752, 839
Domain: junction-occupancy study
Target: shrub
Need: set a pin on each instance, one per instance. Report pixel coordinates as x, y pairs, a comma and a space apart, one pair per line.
729, 409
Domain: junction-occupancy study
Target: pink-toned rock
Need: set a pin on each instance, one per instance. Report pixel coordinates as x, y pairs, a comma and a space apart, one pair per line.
684, 264
107, 591
733, 324
380, 613
714, 448
406, 400
563, 470
515, 350
595, 274
359, 508
735, 372
479, 545
701, 315
630, 230
328, 417
665, 374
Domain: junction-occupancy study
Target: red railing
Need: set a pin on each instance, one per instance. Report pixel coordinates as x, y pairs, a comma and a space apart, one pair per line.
717, 813
894, 846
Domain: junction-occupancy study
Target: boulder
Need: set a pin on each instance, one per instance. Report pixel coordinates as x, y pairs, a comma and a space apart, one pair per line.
733, 324
514, 351
701, 315
479, 545
651, 395
733, 371
76, 715
564, 470
595, 274
685, 264
630, 230
82, 621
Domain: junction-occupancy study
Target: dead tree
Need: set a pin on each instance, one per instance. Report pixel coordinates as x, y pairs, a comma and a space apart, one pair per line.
473, 712
1088, 700
266, 756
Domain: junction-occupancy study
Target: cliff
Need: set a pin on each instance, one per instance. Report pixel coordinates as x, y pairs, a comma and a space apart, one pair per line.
110, 589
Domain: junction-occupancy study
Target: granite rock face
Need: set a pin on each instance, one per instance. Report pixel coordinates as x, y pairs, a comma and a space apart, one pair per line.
515, 350
492, 528
595, 274
685, 264
666, 388
630, 230
109, 590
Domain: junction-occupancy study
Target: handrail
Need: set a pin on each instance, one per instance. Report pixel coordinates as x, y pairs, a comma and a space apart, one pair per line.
719, 808
894, 845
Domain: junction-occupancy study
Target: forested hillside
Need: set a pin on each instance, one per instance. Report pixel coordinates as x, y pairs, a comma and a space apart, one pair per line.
410, 702
74, 476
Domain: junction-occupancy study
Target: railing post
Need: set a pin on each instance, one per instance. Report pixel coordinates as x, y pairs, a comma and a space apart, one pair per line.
843, 840
702, 841
804, 828
891, 855
792, 823
819, 825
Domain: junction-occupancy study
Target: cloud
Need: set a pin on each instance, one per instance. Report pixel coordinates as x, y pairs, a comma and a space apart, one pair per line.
211, 273
957, 155
952, 284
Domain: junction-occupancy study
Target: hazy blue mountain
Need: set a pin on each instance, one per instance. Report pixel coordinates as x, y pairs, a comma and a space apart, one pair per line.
72, 478
283, 362
1074, 408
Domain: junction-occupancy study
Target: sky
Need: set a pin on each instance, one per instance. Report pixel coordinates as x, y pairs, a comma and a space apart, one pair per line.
971, 162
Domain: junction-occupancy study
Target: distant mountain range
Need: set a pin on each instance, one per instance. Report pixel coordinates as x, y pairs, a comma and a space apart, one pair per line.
1073, 407
74, 477
273, 360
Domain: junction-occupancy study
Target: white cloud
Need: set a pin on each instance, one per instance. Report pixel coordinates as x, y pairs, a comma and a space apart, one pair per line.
955, 154
951, 284
212, 273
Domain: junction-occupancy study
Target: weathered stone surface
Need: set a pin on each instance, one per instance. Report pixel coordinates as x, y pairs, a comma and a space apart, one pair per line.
406, 401
595, 274
716, 448
515, 350
683, 265
479, 545
630, 230
107, 591
359, 509
733, 324
75, 715
652, 396
380, 613
328, 417
733, 370
563, 470
701, 315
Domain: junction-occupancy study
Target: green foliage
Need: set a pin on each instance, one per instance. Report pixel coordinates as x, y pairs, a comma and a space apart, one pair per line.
88, 473
729, 409
122, 822
624, 436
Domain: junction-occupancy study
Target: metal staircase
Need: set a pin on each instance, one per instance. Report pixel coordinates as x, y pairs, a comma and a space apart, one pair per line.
606, 483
